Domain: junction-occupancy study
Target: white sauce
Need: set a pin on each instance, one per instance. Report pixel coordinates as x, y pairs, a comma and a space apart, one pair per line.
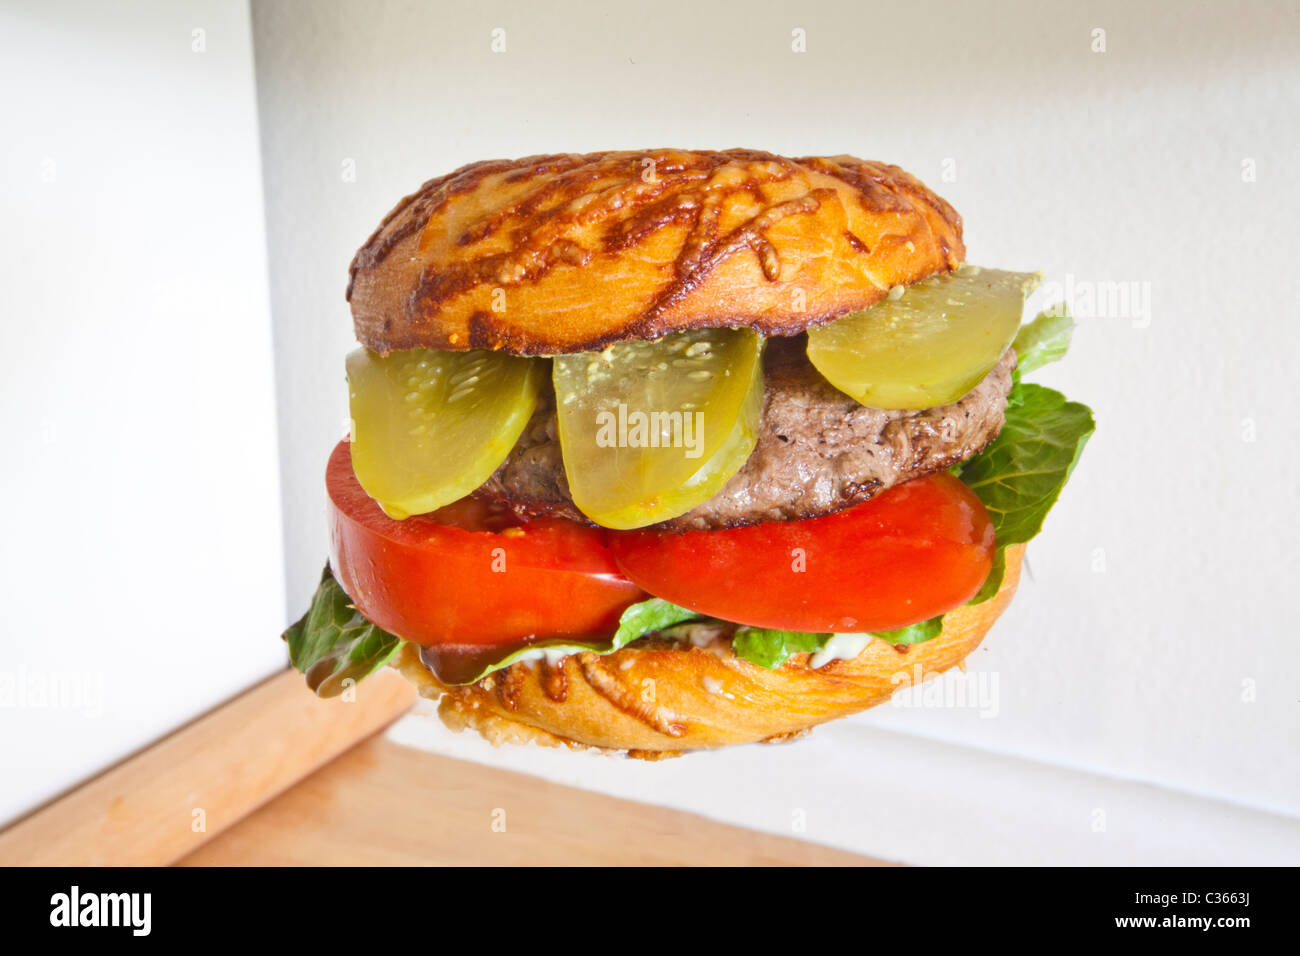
714, 686
841, 647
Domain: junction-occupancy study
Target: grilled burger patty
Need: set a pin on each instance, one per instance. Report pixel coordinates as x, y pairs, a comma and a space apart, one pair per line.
818, 450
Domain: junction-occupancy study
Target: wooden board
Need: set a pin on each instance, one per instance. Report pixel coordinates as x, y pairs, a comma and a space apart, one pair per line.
165, 801
385, 804
377, 803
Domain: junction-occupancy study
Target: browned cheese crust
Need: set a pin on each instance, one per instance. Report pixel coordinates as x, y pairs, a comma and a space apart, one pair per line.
567, 253
658, 699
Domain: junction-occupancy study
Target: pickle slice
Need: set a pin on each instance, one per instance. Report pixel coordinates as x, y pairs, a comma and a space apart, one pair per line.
649, 430
429, 427
927, 347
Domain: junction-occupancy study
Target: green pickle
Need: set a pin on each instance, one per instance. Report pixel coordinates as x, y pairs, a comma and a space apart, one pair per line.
927, 347
429, 427
649, 430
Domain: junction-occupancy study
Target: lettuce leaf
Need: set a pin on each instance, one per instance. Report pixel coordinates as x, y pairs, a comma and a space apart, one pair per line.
333, 643
993, 583
770, 648
913, 633
1043, 340
1020, 475
647, 617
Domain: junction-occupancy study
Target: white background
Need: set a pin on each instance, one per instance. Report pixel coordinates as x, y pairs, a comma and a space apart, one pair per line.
141, 564
1148, 705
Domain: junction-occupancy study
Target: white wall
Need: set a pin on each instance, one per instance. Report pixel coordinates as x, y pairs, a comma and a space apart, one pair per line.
141, 564
1152, 640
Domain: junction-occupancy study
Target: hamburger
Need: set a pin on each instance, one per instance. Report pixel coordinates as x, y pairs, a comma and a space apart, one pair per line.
668, 450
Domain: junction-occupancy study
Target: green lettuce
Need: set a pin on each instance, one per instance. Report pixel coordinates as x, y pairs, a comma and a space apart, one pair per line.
646, 617
770, 648
333, 644
1020, 474
1043, 340
993, 583
913, 633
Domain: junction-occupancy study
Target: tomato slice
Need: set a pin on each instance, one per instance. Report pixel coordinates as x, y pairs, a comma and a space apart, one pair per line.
912, 552
471, 580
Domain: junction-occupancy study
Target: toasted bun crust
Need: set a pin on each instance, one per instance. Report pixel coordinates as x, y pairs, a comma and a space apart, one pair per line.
568, 253
663, 699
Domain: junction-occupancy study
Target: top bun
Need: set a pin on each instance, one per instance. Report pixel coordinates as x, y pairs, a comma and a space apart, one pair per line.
569, 253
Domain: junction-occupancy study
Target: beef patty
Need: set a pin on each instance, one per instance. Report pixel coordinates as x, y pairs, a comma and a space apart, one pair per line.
818, 450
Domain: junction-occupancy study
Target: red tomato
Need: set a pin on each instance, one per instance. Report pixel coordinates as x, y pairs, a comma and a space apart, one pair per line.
917, 550
470, 577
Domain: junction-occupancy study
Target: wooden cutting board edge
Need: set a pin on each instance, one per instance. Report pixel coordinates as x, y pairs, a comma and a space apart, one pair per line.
172, 797
384, 804
277, 776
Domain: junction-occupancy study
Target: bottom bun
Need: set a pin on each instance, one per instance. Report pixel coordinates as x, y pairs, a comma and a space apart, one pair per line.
657, 699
